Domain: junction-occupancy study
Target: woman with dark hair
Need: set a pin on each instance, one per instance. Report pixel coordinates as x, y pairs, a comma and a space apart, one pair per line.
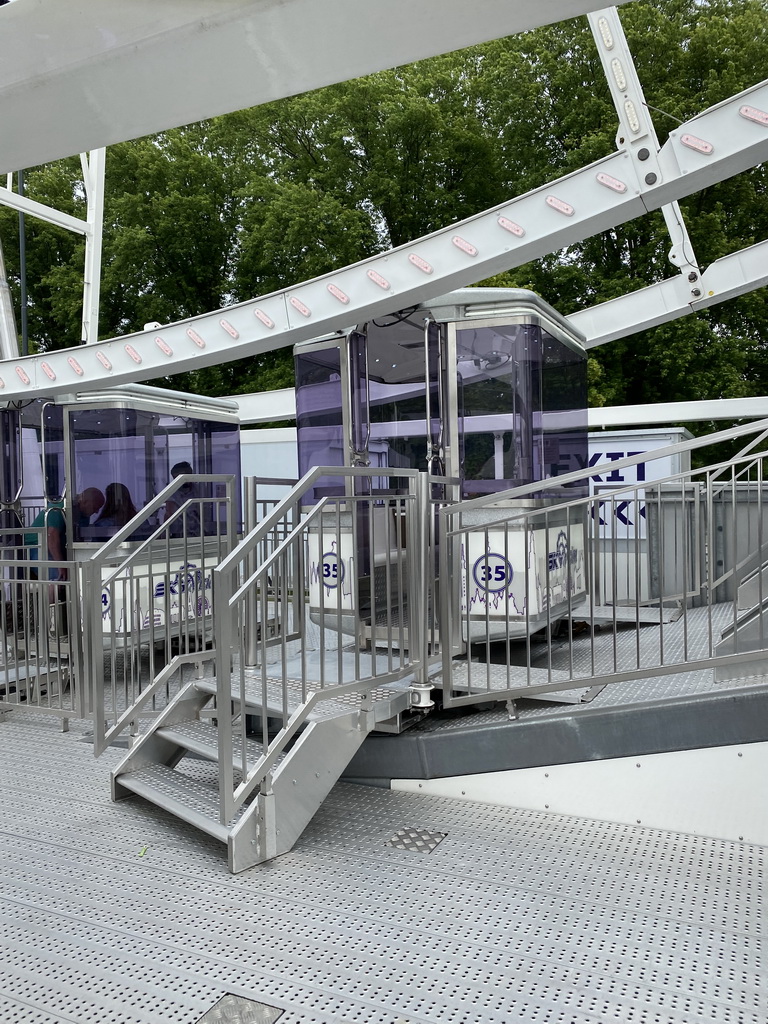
118, 509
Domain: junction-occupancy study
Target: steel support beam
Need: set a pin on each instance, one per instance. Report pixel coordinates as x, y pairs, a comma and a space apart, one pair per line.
726, 278
623, 417
92, 227
636, 131
93, 176
26, 205
717, 144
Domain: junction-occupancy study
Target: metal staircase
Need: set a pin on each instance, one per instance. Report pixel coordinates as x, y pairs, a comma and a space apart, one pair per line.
175, 767
248, 751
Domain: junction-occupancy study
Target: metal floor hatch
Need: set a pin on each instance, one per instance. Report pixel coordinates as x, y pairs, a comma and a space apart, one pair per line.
114, 917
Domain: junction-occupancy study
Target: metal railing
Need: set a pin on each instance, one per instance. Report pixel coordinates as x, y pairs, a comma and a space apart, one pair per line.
257, 504
40, 656
317, 604
629, 583
149, 609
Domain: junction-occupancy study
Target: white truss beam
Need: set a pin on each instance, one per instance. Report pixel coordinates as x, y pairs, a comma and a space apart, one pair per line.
726, 278
266, 406
664, 413
80, 76
271, 406
47, 213
720, 142
93, 165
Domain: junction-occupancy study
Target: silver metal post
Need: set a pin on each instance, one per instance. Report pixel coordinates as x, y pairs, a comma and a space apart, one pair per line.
417, 592
250, 612
9, 341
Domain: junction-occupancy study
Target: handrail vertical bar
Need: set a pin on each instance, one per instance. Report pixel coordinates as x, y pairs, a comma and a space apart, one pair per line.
449, 615
222, 627
417, 585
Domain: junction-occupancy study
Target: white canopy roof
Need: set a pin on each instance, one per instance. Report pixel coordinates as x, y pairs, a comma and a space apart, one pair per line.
79, 76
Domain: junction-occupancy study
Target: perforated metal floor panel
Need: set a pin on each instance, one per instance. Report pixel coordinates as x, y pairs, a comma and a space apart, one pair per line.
119, 914
683, 640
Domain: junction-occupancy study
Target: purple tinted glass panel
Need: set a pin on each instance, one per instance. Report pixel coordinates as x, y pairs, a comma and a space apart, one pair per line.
319, 418
522, 407
42, 427
560, 436
128, 456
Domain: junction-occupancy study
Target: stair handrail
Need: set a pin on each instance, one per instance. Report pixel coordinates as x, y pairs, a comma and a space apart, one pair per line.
263, 527
100, 557
708, 481
536, 488
526, 490
94, 583
226, 596
177, 661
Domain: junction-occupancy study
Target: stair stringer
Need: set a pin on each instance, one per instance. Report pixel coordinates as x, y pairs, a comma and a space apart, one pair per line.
153, 749
274, 820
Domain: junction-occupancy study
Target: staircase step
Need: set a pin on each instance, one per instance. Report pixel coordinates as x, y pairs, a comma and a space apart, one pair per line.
387, 700
605, 614
202, 738
253, 696
192, 801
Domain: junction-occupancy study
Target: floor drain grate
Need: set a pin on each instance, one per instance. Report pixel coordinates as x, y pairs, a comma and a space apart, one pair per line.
418, 840
238, 1010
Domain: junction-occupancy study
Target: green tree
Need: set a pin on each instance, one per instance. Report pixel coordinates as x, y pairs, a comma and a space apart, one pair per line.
241, 205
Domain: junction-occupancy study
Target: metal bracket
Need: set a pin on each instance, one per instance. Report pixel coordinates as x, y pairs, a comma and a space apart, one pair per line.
636, 134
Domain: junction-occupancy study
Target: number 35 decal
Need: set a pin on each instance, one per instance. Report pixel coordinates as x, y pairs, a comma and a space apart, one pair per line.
492, 572
332, 569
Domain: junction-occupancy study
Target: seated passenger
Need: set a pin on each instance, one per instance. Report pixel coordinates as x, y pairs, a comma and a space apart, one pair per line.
118, 510
51, 519
189, 524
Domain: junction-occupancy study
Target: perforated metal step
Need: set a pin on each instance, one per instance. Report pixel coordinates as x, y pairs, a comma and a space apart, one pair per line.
202, 738
194, 802
387, 701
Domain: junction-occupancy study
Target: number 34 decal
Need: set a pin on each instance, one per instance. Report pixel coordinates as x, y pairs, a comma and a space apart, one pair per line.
492, 572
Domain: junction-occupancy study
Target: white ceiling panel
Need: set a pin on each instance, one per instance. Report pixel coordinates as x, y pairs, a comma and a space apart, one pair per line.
79, 75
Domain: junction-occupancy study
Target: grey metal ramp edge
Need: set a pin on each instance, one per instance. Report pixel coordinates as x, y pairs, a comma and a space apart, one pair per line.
432, 750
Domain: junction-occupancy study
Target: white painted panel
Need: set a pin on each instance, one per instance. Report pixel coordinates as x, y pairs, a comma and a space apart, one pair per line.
718, 791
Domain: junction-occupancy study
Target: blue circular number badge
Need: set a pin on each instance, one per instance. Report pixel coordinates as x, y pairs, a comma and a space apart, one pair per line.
332, 569
492, 572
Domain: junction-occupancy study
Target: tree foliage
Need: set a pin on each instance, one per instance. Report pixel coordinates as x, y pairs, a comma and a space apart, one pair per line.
220, 211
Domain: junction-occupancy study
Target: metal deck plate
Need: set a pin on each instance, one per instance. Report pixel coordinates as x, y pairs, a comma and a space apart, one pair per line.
236, 1010
109, 914
418, 840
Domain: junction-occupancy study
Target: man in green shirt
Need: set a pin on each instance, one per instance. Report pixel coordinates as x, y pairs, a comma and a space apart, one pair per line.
52, 520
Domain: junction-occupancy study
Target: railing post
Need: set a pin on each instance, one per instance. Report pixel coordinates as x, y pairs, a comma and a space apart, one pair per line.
93, 651
419, 565
222, 632
250, 517
82, 700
